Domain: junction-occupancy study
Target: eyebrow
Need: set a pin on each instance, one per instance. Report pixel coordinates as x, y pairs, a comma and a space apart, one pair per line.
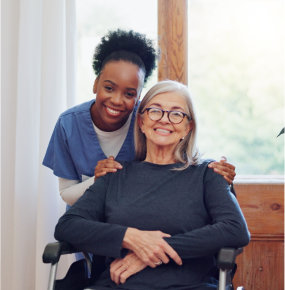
114, 84
172, 108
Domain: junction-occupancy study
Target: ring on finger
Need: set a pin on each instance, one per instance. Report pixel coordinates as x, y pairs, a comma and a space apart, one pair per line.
158, 263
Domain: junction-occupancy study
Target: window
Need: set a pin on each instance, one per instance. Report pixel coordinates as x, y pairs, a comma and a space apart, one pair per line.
94, 19
236, 75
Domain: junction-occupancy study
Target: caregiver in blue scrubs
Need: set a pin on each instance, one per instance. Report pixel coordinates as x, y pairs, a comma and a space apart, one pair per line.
90, 139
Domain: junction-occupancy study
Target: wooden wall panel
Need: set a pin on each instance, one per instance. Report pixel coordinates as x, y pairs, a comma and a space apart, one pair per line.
261, 265
172, 40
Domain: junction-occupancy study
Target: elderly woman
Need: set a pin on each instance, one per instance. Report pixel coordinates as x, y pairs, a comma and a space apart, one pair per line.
162, 218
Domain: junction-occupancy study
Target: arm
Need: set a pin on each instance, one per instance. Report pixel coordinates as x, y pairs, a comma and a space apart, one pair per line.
83, 224
71, 190
227, 229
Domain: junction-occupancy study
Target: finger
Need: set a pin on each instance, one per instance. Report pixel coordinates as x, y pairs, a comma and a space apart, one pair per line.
125, 275
108, 164
163, 258
164, 235
113, 268
223, 158
221, 164
113, 164
116, 275
225, 169
173, 254
226, 175
229, 181
106, 170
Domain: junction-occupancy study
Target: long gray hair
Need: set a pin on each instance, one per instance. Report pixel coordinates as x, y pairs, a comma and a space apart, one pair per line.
186, 150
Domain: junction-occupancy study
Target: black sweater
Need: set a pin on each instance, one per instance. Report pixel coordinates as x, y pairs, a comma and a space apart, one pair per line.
195, 206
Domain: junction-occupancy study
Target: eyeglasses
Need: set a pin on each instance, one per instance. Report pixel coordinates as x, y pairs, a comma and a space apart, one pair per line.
156, 114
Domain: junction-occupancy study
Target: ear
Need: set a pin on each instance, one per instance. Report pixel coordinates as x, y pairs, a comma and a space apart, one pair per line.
189, 127
140, 122
95, 86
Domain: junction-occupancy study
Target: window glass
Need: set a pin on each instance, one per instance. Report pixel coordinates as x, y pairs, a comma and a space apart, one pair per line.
94, 19
236, 75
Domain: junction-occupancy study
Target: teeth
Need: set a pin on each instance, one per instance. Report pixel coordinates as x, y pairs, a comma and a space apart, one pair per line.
163, 131
113, 112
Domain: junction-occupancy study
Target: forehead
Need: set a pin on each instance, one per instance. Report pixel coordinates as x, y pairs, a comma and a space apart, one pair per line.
122, 73
169, 100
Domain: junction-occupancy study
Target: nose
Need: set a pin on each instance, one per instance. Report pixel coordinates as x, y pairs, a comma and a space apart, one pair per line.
117, 99
164, 118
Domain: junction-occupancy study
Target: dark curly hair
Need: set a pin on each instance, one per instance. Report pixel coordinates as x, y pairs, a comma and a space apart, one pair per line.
125, 45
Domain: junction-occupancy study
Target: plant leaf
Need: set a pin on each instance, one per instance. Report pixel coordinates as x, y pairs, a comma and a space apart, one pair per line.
281, 132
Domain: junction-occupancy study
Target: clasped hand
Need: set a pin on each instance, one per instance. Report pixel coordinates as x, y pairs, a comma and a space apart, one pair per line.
147, 248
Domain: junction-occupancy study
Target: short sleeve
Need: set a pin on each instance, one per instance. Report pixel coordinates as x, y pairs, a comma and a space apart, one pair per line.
58, 156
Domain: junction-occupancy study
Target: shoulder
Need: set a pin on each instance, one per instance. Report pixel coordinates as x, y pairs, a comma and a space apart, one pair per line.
201, 166
78, 109
79, 115
201, 170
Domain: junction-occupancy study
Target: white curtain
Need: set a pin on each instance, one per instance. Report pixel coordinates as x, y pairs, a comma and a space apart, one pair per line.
38, 83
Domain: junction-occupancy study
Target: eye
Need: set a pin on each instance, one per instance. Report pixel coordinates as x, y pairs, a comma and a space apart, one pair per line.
108, 89
130, 95
176, 114
155, 111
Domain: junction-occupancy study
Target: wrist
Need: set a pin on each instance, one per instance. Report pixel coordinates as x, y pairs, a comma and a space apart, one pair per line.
129, 238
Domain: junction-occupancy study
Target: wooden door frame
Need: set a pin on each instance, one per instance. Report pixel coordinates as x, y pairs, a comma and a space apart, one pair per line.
172, 40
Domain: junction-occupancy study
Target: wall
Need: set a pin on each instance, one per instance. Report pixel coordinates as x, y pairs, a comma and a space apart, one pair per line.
261, 266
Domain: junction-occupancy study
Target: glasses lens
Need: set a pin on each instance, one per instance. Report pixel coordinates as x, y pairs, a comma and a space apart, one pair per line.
176, 117
155, 114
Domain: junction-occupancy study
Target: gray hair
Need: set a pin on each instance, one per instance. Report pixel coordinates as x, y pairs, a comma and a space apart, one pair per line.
186, 150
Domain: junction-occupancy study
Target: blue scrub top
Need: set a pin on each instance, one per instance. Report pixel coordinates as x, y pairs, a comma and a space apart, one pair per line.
74, 148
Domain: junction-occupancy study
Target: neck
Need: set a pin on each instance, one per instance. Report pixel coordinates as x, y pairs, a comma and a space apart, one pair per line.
160, 156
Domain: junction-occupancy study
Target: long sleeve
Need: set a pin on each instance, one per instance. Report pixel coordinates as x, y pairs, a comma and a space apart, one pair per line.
84, 226
227, 228
71, 190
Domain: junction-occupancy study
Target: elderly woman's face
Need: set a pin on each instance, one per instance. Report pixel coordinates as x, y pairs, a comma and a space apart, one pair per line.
164, 132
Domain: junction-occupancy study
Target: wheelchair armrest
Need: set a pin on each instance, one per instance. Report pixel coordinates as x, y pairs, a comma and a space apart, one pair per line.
53, 251
226, 258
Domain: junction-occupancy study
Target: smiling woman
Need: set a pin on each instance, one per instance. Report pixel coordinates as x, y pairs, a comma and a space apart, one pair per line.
98, 129
162, 131
117, 91
172, 97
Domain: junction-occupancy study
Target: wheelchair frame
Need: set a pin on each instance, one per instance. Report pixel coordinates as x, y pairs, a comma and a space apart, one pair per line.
53, 251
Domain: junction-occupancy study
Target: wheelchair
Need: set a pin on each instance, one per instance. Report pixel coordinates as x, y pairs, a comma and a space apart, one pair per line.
83, 273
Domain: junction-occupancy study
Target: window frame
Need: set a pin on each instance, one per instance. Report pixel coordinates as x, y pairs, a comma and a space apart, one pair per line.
173, 63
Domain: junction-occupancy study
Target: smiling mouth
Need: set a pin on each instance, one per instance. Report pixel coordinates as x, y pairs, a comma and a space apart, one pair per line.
163, 131
113, 112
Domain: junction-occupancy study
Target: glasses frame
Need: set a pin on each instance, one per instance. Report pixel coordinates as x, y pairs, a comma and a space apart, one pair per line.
168, 114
